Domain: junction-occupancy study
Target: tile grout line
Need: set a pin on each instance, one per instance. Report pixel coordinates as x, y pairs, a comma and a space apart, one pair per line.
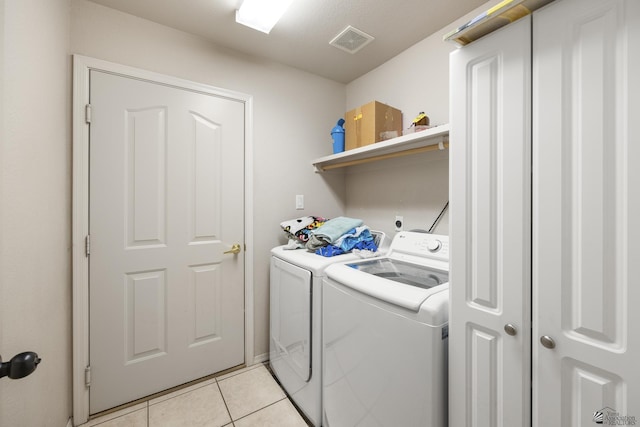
260, 409
288, 397
225, 403
243, 371
215, 380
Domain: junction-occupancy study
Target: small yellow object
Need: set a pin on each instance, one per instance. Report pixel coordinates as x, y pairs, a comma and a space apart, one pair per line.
421, 119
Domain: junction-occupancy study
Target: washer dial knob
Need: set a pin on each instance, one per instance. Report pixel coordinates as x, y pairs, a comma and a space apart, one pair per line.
434, 245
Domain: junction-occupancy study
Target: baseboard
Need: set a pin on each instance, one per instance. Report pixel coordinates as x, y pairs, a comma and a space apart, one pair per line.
70, 422
261, 358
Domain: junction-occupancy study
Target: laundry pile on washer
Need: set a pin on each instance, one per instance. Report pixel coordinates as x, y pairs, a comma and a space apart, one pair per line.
330, 237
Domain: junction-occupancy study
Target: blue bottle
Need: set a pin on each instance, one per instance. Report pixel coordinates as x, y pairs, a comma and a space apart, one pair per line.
337, 133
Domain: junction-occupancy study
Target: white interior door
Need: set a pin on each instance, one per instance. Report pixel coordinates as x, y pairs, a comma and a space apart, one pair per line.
490, 192
166, 199
586, 212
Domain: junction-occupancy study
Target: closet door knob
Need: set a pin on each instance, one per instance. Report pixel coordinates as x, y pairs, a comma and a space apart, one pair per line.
510, 329
547, 341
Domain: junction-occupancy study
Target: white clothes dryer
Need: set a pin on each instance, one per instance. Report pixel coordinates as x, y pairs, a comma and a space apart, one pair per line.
295, 347
385, 334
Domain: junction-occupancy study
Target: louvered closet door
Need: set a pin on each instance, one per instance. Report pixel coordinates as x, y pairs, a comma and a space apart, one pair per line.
586, 120
489, 370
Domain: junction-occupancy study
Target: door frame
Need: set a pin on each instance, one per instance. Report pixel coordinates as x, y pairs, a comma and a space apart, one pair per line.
82, 66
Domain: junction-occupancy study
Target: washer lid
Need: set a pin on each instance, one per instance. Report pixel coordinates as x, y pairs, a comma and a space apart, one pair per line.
398, 293
411, 274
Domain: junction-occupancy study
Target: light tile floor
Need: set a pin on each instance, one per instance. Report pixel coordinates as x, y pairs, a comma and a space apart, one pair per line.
244, 398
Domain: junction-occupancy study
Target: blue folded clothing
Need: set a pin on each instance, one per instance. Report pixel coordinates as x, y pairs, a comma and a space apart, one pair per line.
356, 238
352, 237
334, 228
329, 251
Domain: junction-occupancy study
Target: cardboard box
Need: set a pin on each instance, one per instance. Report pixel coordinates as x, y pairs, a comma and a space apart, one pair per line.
369, 123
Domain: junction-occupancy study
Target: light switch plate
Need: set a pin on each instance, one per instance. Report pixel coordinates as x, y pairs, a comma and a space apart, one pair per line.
299, 201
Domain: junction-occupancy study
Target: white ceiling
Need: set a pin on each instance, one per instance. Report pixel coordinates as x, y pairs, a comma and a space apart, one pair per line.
301, 38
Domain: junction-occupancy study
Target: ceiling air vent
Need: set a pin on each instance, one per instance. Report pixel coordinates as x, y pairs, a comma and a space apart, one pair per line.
351, 40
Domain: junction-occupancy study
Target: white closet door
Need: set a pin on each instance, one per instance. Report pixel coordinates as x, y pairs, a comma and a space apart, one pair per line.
489, 369
586, 233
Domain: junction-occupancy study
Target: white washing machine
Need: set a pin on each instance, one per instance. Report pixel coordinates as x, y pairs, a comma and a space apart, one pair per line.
385, 334
295, 347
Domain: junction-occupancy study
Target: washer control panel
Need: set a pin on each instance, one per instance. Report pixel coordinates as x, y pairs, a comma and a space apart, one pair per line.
434, 246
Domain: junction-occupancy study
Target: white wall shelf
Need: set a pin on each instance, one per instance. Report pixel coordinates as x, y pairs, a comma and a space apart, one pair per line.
427, 140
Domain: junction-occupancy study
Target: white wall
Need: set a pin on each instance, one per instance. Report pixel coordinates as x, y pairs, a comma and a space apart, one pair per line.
415, 80
414, 187
294, 112
35, 303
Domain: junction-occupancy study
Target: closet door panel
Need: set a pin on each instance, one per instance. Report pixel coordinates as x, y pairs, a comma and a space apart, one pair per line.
586, 208
489, 369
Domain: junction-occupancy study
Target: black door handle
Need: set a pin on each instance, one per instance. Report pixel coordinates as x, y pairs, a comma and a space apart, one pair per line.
20, 365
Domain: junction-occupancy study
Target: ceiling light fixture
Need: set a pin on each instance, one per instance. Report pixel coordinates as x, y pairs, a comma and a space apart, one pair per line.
261, 15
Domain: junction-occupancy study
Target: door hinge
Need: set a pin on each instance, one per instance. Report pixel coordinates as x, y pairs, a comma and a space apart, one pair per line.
87, 245
87, 376
87, 113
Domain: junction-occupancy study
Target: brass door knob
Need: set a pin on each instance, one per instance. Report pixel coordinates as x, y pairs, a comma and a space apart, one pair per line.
235, 249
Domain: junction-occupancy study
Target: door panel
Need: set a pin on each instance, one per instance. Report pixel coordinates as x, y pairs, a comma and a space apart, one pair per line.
145, 315
146, 142
166, 305
204, 179
490, 232
204, 295
290, 324
586, 206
